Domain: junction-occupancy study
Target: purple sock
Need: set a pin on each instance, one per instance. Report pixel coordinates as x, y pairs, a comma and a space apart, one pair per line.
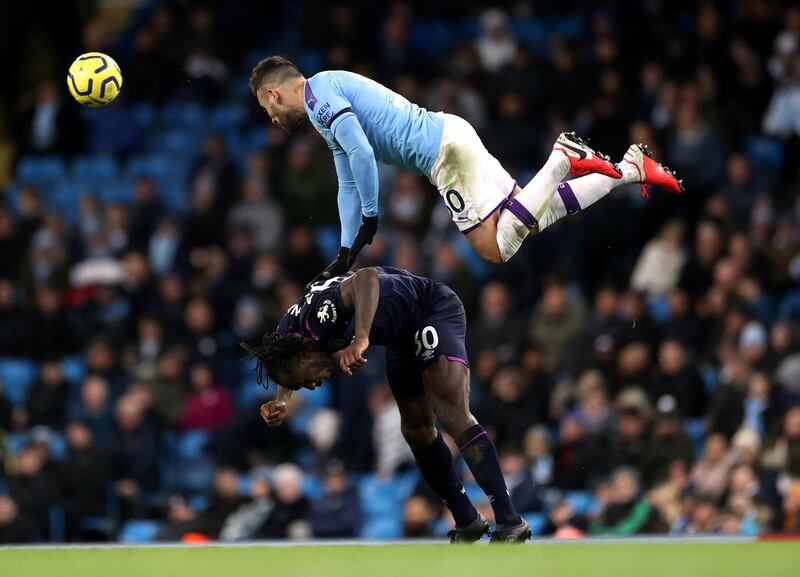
481, 456
435, 462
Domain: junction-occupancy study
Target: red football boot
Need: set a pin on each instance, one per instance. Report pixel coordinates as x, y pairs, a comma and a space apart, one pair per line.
651, 172
582, 159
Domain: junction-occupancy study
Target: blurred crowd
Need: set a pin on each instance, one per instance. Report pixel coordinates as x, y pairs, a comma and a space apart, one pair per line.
637, 365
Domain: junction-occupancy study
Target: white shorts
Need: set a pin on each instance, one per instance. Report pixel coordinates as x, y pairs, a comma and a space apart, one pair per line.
471, 181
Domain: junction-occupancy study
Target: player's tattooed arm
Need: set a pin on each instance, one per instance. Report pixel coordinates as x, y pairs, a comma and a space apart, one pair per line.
360, 293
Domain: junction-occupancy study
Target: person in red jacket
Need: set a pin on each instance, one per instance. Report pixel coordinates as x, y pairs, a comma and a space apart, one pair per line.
208, 405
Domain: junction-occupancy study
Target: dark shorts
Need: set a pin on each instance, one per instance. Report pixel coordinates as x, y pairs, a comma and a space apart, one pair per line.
440, 333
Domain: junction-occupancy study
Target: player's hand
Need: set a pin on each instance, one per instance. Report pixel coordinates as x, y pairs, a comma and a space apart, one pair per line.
339, 265
366, 232
274, 412
352, 357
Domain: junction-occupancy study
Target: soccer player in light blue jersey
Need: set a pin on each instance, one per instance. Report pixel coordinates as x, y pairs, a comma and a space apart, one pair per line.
363, 122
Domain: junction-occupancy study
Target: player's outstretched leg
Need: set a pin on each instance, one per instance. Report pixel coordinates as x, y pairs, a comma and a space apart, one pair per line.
447, 387
435, 462
637, 167
570, 155
647, 171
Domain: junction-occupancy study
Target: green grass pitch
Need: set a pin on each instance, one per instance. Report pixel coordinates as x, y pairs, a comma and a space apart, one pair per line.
617, 559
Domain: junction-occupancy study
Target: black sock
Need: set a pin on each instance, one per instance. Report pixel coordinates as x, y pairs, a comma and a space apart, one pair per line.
435, 462
481, 456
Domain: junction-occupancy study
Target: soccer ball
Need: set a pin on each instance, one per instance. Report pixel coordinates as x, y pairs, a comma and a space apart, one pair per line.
94, 79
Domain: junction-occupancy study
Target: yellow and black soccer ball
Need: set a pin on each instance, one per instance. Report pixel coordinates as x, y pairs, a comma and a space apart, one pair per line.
94, 79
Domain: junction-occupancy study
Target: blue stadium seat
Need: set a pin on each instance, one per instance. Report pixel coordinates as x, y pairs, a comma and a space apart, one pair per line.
74, 369
153, 165
696, 429
311, 62
194, 469
144, 114
312, 487
11, 195
58, 446
235, 145
139, 531
16, 441
256, 138
327, 238
566, 27
581, 501
191, 444
245, 485
432, 38
173, 195
94, 169
188, 114
240, 87
178, 142
767, 152
65, 197
533, 32
710, 376
57, 524
57, 443
469, 29
228, 116
537, 521
116, 191
17, 376
40, 169
198, 502
382, 508
659, 309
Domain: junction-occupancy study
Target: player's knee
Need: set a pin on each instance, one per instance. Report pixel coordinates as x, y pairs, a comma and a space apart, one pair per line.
418, 437
456, 421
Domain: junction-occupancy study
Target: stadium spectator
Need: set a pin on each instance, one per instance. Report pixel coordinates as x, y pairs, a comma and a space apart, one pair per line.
658, 269
34, 487
678, 379
84, 477
208, 405
418, 518
291, 506
135, 455
15, 527
47, 399
710, 473
185, 519
626, 512
495, 335
509, 409
94, 408
337, 512
52, 125
557, 322
249, 516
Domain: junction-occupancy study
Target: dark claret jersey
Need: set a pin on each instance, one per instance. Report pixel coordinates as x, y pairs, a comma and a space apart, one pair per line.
405, 301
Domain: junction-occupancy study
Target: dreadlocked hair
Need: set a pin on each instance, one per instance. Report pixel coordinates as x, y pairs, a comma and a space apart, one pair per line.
275, 353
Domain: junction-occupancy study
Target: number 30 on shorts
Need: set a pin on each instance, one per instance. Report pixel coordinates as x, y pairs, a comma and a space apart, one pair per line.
427, 339
455, 202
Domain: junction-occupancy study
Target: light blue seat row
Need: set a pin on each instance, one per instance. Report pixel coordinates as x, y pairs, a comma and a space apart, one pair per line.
41, 169
17, 376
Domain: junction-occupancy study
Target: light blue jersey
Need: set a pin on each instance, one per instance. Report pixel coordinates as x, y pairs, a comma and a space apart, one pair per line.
362, 121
